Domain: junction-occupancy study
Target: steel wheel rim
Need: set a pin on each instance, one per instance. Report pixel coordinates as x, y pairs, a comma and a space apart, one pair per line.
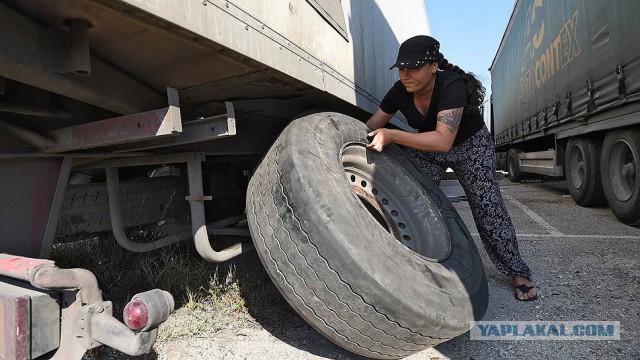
389, 209
622, 170
577, 173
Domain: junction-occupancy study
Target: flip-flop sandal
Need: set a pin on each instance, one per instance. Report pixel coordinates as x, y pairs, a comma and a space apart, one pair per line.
525, 289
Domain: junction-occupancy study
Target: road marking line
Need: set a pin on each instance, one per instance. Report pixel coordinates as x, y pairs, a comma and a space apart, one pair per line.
600, 237
540, 221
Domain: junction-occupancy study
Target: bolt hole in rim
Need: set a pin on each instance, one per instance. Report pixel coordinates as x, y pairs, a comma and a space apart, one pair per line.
622, 170
405, 212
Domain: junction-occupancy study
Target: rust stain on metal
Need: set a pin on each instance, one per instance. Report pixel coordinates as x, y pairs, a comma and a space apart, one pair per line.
369, 197
373, 201
123, 129
103, 131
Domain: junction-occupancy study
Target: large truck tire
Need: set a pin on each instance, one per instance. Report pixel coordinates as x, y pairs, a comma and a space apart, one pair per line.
620, 164
363, 245
582, 171
513, 165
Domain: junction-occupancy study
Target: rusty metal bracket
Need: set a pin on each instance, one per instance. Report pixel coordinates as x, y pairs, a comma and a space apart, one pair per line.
124, 129
195, 131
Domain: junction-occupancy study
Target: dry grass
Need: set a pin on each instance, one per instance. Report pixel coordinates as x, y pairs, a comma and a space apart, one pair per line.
209, 297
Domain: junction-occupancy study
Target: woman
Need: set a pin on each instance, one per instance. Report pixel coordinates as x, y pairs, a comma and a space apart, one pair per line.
442, 102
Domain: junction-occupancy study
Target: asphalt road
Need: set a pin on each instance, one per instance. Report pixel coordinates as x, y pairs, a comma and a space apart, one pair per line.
585, 266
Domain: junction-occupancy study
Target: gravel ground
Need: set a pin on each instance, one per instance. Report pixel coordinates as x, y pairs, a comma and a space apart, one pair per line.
586, 269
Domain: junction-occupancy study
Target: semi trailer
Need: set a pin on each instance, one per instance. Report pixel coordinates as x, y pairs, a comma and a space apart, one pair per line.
212, 118
565, 90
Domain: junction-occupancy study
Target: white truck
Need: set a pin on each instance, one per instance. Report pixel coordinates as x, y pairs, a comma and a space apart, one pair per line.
213, 114
565, 96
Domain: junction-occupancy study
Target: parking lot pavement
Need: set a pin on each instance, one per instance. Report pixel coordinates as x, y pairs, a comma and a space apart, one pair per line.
585, 266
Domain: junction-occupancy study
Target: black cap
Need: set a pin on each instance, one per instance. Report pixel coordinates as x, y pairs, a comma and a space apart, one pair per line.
417, 51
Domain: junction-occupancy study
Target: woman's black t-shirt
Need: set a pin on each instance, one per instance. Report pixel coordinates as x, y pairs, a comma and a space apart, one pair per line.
450, 92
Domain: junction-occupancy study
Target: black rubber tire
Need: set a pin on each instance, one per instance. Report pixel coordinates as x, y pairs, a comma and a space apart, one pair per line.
85, 208
513, 165
349, 277
620, 167
582, 171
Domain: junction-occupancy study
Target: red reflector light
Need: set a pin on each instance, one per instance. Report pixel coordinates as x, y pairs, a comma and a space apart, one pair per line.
136, 314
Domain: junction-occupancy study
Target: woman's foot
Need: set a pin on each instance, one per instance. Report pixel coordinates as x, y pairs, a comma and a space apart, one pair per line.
524, 289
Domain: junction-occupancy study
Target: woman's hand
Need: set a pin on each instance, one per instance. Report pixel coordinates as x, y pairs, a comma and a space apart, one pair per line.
381, 138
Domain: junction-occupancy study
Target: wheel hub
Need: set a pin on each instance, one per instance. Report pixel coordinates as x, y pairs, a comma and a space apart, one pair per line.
628, 170
577, 171
622, 170
400, 207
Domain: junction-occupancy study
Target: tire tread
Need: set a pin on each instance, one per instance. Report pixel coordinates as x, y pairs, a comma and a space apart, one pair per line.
312, 262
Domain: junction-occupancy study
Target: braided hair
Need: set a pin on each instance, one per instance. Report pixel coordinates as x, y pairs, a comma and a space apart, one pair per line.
476, 90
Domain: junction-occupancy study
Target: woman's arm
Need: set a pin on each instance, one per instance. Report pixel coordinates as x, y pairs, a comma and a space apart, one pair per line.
439, 140
379, 119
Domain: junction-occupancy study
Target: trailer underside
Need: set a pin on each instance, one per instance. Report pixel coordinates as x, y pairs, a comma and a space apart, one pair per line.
83, 82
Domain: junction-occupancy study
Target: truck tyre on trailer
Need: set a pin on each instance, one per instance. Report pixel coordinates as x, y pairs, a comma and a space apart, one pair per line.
582, 170
85, 208
362, 245
620, 163
513, 165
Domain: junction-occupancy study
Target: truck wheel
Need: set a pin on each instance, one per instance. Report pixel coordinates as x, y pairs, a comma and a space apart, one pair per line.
582, 170
620, 164
514, 165
362, 245
85, 208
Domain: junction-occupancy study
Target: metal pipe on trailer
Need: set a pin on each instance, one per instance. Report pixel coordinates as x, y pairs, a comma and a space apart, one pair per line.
198, 222
191, 132
117, 224
199, 230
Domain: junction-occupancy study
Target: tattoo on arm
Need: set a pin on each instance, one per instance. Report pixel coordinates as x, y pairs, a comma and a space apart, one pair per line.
451, 118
